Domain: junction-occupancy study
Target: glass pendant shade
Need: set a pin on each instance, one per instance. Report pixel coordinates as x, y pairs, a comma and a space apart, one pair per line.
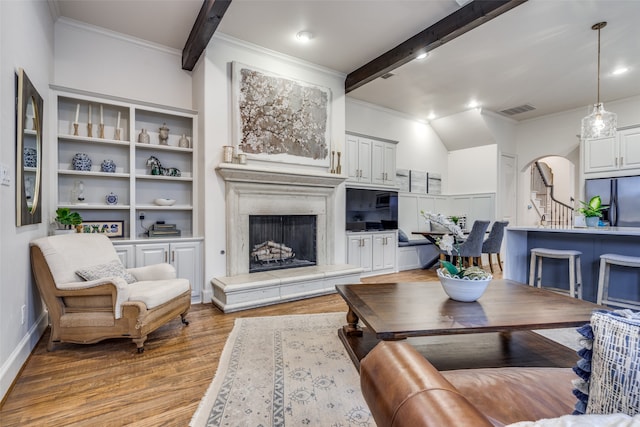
599, 124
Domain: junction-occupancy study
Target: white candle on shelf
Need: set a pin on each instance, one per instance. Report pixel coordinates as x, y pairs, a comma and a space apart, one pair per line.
118, 122
101, 119
89, 114
77, 113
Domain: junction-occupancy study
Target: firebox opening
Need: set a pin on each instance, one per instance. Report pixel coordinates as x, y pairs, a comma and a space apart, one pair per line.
281, 241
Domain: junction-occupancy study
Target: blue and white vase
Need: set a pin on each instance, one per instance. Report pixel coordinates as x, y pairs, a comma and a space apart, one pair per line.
108, 166
81, 162
30, 156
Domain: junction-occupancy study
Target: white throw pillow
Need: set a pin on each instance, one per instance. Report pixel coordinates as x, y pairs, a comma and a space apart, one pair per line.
102, 271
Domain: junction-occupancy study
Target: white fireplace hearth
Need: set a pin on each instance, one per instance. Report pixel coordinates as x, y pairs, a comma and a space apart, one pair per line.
266, 191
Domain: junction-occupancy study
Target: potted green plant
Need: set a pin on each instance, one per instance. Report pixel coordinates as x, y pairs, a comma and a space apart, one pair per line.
592, 211
66, 220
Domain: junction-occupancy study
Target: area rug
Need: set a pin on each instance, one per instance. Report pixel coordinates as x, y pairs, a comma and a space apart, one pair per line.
285, 371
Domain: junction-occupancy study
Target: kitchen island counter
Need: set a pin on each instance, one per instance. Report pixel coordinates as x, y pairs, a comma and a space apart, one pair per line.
592, 242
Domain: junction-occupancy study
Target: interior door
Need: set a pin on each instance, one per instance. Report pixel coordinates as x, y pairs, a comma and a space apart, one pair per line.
507, 188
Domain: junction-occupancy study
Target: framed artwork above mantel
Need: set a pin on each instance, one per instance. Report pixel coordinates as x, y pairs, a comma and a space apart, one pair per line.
280, 119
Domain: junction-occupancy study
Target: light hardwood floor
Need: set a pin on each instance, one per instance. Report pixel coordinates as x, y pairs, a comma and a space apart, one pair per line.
110, 384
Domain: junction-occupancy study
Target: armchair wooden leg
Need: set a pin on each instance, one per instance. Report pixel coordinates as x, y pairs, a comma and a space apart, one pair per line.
139, 342
183, 319
499, 262
490, 263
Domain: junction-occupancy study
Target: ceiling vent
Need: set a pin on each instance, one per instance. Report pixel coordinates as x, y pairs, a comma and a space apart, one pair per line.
386, 76
517, 110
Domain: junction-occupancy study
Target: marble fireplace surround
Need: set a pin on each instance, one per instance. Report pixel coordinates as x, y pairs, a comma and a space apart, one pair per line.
251, 190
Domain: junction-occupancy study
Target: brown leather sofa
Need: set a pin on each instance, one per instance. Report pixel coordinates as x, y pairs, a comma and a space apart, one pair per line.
403, 389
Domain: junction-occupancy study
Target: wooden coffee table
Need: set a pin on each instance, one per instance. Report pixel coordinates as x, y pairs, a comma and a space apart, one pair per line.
493, 331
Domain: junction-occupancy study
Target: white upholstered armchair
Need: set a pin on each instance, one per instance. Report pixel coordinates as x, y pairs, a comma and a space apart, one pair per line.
90, 296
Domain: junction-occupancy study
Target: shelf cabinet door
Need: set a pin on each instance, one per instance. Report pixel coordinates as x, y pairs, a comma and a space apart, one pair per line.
377, 162
186, 258
358, 159
600, 155
152, 253
127, 255
384, 251
360, 251
629, 140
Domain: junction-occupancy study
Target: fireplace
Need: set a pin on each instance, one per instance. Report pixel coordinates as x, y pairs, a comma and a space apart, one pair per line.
303, 203
281, 241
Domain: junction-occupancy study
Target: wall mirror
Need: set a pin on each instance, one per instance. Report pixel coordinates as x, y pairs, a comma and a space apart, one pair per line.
28, 151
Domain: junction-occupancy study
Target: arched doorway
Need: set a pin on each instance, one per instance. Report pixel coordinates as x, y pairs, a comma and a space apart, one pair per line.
561, 174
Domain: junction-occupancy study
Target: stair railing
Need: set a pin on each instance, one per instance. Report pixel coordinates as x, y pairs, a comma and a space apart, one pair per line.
557, 213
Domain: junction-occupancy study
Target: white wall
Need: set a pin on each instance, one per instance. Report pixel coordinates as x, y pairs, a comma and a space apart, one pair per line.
26, 41
473, 170
96, 60
217, 131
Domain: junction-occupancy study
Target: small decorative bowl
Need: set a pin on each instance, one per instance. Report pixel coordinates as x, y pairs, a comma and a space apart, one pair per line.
164, 202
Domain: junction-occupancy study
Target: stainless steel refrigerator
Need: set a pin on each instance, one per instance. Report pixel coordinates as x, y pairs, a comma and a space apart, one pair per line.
622, 195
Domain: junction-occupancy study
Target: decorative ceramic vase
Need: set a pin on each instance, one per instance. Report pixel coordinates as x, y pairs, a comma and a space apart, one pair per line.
463, 290
111, 199
108, 166
81, 162
592, 221
164, 134
143, 137
183, 142
30, 156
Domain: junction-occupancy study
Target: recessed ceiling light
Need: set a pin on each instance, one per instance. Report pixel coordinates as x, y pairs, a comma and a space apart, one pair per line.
619, 71
431, 116
422, 55
473, 104
304, 36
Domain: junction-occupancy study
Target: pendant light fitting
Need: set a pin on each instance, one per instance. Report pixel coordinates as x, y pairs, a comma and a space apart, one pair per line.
600, 123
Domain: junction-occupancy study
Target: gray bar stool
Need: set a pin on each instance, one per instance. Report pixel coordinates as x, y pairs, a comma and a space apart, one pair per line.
606, 260
575, 271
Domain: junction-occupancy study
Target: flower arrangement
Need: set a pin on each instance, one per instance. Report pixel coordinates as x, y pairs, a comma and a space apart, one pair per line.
451, 245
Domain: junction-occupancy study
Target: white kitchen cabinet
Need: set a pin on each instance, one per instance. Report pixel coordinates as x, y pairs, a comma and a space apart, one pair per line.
370, 160
186, 257
383, 163
360, 250
358, 159
614, 155
374, 251
384, 251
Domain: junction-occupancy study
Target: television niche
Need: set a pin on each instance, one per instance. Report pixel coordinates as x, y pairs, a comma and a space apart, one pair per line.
370, 210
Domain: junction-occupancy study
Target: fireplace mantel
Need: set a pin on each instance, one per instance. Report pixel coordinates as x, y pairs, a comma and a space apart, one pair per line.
260, 190
244, 173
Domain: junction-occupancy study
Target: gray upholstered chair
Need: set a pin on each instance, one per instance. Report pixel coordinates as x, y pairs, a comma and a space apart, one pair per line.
91, 296
471, 249
494, 242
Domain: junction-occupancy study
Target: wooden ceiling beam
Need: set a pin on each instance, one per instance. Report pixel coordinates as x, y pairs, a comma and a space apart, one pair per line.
207, 22
464, 19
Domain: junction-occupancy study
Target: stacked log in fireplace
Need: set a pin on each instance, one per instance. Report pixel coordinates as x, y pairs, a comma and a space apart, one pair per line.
270, 251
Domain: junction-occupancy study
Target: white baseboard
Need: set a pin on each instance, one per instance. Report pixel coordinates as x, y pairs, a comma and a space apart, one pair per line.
11, 368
